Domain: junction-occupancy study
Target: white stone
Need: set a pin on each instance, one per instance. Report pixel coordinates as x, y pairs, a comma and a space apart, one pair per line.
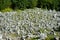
55, 15
50, 10
43, 36
0, 36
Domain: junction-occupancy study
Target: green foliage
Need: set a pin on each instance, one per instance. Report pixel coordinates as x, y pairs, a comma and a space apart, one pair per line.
4, 4
23, 4
7, 10
50, 37
13, 35
49, 4
19, 4
58, 7
32, 3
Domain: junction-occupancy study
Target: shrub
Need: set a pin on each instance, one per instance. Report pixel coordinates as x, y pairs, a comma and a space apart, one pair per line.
33, 3
4, 4
49, 4
7, 10
22, 4
19, 4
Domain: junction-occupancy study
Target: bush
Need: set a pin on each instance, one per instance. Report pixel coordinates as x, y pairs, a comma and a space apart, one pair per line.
4, 4
7, 10
22, 4
32, 3
19, 4
49, 4
58, 8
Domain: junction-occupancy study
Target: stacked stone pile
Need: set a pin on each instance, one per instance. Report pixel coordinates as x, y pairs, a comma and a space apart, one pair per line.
30, 23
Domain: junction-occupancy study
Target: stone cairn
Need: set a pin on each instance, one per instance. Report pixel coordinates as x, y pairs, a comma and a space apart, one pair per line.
30, 23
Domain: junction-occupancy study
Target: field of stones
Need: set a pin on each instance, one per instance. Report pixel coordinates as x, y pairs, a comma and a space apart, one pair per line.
30, 24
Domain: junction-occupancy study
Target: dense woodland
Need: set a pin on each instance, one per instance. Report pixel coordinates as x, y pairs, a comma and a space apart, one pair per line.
26, 4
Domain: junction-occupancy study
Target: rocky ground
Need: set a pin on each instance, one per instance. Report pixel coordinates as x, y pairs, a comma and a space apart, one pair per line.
30, 24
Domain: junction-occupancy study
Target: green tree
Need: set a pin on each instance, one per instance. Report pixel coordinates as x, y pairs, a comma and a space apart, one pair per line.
49, 4
22, 4
4, 4
33, 3
19, 4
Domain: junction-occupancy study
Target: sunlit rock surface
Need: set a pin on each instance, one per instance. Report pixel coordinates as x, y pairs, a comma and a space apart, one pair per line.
27, 24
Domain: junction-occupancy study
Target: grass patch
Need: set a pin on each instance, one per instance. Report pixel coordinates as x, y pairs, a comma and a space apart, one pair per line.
7, 10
